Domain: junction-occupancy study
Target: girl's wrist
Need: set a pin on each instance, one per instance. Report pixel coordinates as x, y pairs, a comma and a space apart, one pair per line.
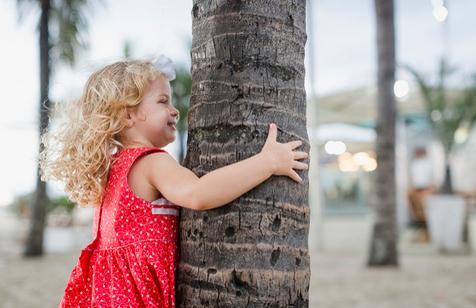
268, 162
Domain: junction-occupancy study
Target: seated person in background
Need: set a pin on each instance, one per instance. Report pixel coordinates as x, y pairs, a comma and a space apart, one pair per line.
422, 184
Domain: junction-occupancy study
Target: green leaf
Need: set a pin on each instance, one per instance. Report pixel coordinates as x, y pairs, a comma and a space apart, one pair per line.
456, 110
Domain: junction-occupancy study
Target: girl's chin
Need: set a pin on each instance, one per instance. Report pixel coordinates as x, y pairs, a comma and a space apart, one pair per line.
172, 138
165, 140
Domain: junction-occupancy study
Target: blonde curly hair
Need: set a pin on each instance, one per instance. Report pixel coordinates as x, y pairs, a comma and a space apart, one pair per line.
79, 151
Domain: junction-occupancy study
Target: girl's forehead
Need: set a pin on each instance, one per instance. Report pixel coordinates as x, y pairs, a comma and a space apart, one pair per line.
159, 86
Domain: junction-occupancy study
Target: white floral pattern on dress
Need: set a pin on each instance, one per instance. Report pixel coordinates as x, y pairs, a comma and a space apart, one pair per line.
133, 257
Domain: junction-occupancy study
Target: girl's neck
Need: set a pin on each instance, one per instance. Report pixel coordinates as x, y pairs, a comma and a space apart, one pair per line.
137, 144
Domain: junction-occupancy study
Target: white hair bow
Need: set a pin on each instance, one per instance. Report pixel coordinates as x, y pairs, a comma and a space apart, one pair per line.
165, 65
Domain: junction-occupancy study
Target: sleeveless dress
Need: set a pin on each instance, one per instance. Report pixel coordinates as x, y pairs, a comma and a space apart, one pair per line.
132, 259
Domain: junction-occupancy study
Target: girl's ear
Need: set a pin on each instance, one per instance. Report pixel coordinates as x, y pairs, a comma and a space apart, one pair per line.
134, 115
129, 118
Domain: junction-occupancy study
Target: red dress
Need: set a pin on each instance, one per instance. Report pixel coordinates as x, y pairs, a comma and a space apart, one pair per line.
132, 259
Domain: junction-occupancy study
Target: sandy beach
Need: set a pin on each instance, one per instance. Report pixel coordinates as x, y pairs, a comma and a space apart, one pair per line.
339, 278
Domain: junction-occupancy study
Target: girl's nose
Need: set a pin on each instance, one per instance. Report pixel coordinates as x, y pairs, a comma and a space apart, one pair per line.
175, 112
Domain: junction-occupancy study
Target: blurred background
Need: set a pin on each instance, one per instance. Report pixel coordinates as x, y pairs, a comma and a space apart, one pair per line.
435, 48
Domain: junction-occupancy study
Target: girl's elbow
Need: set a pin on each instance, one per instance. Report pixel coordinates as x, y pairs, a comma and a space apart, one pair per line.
196, 204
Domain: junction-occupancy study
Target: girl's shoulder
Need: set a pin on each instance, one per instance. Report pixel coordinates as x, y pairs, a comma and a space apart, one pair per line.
154, 158
139, 173
131, 159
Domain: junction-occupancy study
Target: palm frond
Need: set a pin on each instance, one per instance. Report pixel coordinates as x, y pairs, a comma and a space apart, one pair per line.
71, 23
452, 115
469, 101
182, 86
24, 7
425, 90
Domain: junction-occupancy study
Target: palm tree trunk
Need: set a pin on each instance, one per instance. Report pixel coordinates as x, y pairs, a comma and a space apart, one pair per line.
447, 187
34, 243
247, 71
383, 250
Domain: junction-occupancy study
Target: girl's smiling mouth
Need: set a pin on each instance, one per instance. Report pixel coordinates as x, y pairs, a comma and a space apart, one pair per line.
172, 125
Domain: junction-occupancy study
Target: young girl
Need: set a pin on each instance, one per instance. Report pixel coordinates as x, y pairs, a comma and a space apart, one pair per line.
108, 153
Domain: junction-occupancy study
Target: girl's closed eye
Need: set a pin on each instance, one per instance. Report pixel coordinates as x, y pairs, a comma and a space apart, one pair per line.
162, 99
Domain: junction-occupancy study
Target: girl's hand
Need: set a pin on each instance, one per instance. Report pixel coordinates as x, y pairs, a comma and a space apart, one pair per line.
282, 157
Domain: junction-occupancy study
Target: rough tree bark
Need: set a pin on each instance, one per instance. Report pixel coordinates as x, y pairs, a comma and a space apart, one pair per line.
383, 250
247, 71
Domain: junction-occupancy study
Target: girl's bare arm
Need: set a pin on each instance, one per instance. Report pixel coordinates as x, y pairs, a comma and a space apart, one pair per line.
223, 185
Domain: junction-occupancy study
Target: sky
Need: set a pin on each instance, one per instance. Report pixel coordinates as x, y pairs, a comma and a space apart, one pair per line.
343, 37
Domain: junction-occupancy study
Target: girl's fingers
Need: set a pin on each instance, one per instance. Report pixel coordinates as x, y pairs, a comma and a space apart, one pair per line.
300, 155
294, 144
272, 132
295, 176
299, 165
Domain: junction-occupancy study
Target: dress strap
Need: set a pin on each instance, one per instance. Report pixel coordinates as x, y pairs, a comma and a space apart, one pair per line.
131, 155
